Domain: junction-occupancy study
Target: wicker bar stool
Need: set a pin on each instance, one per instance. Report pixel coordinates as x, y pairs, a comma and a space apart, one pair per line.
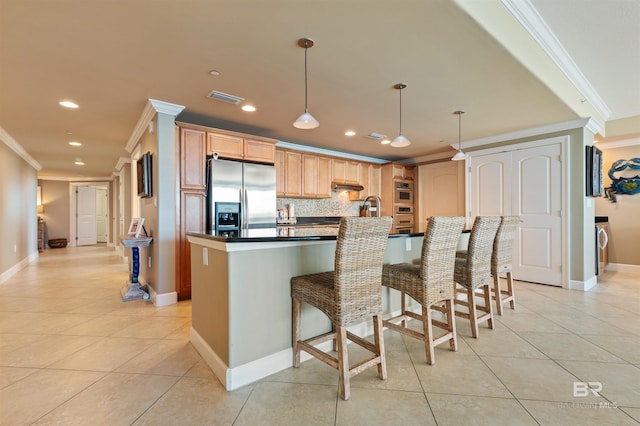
430, 284
501, 262
346, 295
473, 272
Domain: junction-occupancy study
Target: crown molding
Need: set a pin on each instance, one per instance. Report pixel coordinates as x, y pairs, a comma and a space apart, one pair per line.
76, 179
532, 22
152, 107
620, 143
435, 157
121, 162
289, 145
18, 149
586, 123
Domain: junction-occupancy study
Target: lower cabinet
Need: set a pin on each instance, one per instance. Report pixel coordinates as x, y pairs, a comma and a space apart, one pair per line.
192, 218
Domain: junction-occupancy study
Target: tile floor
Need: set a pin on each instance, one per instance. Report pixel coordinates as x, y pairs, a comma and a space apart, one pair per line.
72, 353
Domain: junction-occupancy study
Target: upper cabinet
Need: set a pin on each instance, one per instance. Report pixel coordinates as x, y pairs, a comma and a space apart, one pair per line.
241, 148
192, 158
402, 171
316, 176
370, 178
288, 173
346, 171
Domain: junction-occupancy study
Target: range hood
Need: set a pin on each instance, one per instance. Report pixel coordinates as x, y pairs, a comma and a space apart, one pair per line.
342, 186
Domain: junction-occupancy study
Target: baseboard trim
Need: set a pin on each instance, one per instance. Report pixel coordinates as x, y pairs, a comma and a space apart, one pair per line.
162, 299
622, 267
18, 266
583, 285
242, 375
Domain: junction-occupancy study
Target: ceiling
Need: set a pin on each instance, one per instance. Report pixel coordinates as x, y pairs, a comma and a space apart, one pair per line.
111, 57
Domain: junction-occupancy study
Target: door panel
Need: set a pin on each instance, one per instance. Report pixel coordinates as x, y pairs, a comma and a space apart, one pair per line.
525, 183
537, 199
86, 215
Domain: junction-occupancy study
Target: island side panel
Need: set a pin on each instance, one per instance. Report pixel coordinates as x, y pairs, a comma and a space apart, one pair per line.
260, 298
210, 298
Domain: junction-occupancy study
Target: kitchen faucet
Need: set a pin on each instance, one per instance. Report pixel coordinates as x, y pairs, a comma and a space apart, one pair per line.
368, 200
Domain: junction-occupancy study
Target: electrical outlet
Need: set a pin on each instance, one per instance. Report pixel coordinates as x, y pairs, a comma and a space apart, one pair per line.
205, 256
15, 248
149, 262
407, 244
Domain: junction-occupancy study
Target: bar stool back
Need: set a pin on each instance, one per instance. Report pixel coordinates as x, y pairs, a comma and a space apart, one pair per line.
430, 284
346, 295
501, 262
473, 271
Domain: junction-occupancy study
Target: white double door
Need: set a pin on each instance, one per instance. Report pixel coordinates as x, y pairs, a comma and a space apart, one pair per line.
525, 183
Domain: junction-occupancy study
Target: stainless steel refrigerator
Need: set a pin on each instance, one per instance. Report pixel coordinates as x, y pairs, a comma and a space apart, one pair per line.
240, 196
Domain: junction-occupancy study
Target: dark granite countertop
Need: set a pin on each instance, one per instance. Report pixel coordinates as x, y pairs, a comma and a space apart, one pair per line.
285, 233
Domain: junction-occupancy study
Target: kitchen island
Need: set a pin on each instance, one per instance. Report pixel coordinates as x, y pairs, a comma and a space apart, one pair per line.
241, 298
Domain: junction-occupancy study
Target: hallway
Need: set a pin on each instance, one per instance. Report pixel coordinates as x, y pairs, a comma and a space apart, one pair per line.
71, 352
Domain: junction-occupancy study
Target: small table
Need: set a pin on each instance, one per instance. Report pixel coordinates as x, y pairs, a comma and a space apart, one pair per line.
132, 289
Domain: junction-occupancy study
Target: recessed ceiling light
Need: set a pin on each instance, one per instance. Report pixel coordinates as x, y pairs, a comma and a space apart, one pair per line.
68, 132
74, 143
248, 108
349, 133
68, 104
79, 163
214, 72
385, 141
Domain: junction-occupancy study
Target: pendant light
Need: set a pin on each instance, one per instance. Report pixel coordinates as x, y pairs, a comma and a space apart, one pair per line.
306, 120
400, 141
459, 155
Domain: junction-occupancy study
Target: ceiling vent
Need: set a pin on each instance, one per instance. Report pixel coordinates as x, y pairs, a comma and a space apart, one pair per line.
376, 136
224, 97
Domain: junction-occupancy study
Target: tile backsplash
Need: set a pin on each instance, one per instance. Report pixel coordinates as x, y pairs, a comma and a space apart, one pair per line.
338, 205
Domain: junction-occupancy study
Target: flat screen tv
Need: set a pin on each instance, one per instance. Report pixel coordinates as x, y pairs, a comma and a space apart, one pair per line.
144, 175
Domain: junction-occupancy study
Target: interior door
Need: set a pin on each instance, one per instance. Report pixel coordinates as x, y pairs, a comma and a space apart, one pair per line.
526, 183
537, 199
101, 215
86, 216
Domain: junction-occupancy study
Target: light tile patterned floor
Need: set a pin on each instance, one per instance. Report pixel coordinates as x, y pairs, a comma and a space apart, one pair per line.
72, 353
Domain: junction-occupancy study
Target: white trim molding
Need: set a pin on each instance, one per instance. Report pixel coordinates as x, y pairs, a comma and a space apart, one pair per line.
532, 22
152, 107
587, 123
18, 266
622, 267
620, 143
18, 149
121, 162
289, 145
583, 285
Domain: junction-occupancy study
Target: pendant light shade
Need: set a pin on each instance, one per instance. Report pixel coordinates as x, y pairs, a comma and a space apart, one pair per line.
459, 155
400, 141
306, 120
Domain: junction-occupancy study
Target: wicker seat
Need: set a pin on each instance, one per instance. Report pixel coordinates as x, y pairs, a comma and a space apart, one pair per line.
349, 294
430, 283
473, 272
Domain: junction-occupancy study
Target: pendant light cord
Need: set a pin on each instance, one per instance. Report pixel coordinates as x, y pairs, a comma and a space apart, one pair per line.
305, 77
401, 110
460, 132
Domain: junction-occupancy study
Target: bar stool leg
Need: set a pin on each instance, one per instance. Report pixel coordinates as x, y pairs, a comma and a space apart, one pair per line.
488, 306
498, 293
344, 388
451, 320
473, 315
428, 334
512, 295
295, 332
379, 342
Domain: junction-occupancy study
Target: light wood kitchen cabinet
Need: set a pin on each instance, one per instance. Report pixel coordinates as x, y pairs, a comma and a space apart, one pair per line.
316, 176
192, 158
345, 171
192, 218
241, 148
370, 175
402, 171
288, 173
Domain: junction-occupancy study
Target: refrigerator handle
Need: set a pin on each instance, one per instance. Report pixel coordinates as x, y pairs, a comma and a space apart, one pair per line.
245, 209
